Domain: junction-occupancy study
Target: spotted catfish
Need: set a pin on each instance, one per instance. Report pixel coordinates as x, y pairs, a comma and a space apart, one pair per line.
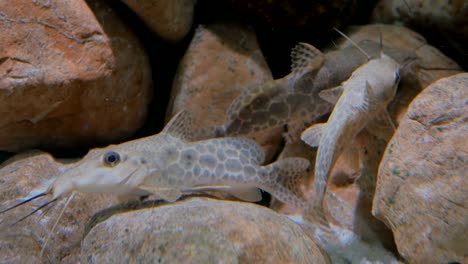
294, 99
361, 102
168, 164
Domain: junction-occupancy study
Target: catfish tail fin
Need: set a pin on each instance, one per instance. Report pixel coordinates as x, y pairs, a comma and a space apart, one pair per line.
283, 179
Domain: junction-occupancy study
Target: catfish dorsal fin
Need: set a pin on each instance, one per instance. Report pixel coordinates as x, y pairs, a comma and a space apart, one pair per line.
180, 125
305, 56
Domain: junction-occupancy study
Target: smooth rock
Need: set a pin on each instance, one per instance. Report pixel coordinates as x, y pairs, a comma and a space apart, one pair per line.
200, 230
170, 19
24, 177
422, 187
221, 61
69, 77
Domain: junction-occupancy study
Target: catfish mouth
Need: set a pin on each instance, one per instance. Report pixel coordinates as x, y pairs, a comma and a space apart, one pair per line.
101, 179
126, 179
120, 181
69, 185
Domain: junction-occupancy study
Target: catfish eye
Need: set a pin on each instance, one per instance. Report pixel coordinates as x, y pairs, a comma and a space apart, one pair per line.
111, 158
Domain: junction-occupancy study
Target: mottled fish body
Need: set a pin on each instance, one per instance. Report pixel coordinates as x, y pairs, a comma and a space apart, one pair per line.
168, 164
361, 100
294, 99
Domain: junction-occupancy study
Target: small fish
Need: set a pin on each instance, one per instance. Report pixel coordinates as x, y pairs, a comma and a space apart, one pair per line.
294, 99
168, 164
361, 101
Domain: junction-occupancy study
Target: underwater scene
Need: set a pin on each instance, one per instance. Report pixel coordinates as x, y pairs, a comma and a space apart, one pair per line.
233, 131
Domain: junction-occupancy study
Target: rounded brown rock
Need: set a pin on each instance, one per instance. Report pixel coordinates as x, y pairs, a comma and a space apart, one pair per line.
71, 75
200, 230
222, 60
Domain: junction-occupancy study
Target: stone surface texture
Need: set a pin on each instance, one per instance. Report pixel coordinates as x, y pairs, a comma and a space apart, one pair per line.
70, 76
24, 177
422, 188
444, 22
170, 19
221, 61
200, 230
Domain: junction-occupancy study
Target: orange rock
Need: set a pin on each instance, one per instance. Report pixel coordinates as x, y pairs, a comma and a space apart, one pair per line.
66, 80
169, 19
422, 187
200, 230
22, 243
221, 60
